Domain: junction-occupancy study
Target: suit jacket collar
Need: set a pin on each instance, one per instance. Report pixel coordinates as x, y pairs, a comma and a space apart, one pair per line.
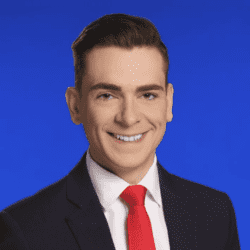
87, 220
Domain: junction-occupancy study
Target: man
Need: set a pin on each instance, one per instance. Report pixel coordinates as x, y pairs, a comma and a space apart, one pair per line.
124, 101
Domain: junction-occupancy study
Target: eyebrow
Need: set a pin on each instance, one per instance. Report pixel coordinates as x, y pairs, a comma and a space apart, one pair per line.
118, 88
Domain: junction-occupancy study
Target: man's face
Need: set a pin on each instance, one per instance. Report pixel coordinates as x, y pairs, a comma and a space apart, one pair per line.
125, 111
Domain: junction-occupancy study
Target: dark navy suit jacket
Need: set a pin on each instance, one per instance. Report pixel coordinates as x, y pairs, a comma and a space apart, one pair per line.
68, 215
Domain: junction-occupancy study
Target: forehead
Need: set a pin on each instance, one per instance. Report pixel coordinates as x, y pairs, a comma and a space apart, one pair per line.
125, 66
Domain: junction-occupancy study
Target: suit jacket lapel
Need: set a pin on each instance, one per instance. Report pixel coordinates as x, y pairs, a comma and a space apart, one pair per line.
88, 222
176, 213
85, 216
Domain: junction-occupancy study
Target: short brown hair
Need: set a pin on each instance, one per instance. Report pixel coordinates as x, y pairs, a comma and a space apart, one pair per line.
119, 30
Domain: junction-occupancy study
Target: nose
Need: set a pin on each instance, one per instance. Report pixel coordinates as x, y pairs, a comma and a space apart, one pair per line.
128, 113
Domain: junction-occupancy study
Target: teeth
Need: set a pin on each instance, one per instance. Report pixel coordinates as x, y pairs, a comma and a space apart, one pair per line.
125, 138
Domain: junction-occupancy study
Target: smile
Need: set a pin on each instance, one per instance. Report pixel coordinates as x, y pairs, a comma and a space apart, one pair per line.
121, 138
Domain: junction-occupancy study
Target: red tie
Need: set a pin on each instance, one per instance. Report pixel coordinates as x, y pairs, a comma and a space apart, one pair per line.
140, 235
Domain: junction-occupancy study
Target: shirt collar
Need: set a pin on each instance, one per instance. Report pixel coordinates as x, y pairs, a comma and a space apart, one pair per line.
109, 186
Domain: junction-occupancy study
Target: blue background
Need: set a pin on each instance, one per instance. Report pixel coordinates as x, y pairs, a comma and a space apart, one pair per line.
209, 49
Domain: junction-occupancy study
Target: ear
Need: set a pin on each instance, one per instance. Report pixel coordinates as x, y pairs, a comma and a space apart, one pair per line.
170, 94
73, 102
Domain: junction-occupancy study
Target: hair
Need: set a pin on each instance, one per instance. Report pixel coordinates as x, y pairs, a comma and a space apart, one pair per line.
118, 30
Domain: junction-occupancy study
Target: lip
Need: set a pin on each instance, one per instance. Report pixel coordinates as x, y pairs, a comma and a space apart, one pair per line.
125, 142
126, 135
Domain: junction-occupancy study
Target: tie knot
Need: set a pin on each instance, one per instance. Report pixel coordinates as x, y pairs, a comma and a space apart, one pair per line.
134, 195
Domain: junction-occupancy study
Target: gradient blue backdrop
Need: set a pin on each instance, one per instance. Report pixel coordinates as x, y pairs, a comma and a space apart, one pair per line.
209, 49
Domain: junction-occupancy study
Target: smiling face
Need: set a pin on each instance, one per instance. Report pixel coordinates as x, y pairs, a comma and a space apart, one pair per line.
127, 108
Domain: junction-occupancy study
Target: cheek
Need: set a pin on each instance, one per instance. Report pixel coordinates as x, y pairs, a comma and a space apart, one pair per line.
159, 119
98, 117
156, 112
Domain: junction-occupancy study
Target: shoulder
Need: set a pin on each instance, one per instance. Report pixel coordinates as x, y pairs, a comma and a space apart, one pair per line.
22, 217
191, 192
50, 196
190, 187
196, 200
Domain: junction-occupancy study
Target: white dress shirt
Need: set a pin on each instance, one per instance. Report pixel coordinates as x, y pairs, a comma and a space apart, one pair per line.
109, 187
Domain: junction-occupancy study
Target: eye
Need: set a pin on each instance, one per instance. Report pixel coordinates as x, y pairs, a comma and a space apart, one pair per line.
107, 96
104, 95
151, 94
